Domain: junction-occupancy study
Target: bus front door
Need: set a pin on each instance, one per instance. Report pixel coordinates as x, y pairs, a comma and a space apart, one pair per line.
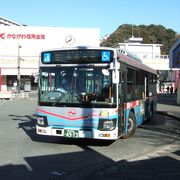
146, 99
122, 95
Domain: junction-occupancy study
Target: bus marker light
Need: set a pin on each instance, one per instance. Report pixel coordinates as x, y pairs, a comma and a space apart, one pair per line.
104, 135
104, 114
41, 131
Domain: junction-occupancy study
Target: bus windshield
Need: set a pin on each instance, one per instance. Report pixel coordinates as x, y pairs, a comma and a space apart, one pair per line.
76, 87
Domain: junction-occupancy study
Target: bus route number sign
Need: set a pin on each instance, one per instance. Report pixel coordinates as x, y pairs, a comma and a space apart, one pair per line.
71, 133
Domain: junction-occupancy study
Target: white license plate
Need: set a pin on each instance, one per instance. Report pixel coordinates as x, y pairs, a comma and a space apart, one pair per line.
71, 133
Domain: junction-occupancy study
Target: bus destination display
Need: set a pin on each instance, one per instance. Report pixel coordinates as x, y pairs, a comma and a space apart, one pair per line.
77, 56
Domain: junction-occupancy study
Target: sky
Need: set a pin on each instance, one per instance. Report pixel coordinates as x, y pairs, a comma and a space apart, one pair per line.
107, 15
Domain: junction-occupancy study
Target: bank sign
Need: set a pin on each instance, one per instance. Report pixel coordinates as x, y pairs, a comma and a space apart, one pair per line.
174, 55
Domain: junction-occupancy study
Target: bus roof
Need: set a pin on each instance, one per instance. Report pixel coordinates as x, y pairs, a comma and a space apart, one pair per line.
122, 56
135, 62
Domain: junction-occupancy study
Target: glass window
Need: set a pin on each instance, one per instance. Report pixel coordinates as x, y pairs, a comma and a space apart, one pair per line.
76, 85
130, 84
138, 92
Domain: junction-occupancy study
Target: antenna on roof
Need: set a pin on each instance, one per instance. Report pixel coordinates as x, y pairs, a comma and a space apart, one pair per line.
132, 31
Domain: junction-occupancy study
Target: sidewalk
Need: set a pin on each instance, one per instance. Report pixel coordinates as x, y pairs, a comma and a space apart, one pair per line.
26, 95
167, 105
162, 164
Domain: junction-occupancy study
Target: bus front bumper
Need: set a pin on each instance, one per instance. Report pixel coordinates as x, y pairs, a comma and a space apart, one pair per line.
77, 133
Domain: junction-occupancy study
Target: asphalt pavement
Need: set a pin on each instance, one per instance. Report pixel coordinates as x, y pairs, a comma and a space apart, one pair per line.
161, 164
168, 106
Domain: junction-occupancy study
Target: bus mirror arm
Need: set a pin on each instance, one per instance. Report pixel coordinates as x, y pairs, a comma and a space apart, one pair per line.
111, 66
36, 77
115, 72
115, 76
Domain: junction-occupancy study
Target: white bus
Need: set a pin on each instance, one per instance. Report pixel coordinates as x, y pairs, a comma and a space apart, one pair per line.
98, 93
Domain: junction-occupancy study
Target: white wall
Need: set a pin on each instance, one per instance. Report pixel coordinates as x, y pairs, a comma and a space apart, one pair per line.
49, 37
149, 53
33, 40
141, 50
157, 64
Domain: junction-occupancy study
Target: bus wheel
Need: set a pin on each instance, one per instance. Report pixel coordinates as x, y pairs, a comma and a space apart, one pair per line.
131, 126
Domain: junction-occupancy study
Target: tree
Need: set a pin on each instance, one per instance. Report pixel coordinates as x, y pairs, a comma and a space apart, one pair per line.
151, 34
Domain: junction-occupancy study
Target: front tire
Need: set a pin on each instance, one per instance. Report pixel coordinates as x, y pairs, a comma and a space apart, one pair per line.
131, 126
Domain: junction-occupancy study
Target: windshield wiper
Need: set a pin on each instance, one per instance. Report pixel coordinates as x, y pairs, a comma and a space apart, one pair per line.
58, 99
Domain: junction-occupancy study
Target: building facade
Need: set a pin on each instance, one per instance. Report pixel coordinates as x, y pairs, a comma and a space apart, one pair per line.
20, 47
151, 56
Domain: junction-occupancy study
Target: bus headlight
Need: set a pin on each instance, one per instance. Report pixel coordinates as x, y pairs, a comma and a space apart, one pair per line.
108, 125
42, 120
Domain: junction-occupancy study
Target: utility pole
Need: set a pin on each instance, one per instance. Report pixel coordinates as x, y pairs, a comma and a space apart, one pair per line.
132, 31
18, 68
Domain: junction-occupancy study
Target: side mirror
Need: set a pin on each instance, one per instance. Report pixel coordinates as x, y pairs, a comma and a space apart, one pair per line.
105, 72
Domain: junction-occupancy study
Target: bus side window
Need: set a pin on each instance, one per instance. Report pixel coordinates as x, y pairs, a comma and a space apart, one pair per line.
138, 94
130, 84
142, 82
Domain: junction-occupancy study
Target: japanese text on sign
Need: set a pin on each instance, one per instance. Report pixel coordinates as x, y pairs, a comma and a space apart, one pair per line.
22, 36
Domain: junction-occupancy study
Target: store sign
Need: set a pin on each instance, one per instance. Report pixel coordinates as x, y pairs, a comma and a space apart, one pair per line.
44, 38
21, 36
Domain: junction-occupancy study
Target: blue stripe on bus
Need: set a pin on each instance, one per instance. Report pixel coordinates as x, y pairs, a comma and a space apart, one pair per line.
89, 122
139, 117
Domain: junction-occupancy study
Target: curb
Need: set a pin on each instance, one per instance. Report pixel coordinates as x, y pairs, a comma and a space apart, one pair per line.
169, 115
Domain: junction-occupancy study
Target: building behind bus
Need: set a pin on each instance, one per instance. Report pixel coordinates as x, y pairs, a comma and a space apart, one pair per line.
33, 40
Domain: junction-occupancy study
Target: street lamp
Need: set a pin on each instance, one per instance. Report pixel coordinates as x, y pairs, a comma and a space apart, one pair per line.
18, 67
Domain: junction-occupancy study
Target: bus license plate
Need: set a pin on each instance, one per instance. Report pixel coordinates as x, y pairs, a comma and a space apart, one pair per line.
71, 133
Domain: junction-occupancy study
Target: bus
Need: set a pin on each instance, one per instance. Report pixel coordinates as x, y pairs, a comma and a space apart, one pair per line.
96, 93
